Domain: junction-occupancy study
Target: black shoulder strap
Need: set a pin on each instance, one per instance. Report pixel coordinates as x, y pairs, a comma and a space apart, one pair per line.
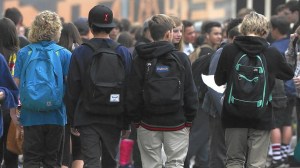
178, 60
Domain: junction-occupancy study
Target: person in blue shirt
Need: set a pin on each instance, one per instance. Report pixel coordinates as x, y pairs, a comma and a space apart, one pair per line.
8, 91
283, 98
43, 130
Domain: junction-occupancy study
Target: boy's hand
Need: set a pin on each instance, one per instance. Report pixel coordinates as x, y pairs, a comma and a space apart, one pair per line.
297, 81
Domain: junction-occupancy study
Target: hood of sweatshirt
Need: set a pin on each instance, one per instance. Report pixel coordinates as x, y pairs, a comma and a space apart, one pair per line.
251, 45
154, 49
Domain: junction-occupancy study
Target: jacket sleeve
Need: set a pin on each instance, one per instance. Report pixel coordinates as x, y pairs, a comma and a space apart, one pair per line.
134, 99
190, 98
8, 86
284, 69
73, 88
221, 72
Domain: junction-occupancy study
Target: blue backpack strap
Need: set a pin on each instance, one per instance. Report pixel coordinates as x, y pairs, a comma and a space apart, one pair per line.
37, 46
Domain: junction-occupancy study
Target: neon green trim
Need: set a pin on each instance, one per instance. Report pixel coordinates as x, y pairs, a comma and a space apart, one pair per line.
249, 80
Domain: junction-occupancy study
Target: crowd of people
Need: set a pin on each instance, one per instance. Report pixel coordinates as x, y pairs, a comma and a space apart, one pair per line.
75, 89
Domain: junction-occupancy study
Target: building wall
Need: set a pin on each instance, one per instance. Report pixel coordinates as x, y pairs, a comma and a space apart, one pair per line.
134, 10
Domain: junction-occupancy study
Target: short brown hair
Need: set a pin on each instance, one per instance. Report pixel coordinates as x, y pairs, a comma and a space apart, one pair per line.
159, 24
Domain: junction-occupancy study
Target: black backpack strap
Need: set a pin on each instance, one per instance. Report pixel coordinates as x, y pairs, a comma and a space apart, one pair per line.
177, 59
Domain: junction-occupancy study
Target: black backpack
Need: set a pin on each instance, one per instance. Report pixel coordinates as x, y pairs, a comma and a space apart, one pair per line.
105, 81
247, 94
163, 84
201, 66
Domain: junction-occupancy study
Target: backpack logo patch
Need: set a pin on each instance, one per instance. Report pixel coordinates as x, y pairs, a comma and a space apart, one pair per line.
162, 69
115, 98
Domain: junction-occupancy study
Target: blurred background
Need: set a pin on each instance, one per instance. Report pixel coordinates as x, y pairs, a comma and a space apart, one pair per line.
139, 10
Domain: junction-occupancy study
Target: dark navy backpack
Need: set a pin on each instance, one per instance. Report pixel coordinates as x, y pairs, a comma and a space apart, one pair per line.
105, 82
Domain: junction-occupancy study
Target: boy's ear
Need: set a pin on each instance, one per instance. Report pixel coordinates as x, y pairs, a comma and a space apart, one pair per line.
207, 35
168, 35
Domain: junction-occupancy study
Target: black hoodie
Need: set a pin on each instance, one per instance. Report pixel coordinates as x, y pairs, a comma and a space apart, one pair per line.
166, 122
277, 68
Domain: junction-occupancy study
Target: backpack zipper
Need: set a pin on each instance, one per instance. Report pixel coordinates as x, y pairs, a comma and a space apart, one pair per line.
148, 69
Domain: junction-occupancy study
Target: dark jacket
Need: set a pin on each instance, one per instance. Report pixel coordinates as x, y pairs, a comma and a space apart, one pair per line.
277, 68
165, 122
80, 61
212, 100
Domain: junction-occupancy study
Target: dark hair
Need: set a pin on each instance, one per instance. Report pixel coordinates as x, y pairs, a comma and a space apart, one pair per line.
14, 14
125, 39
9, 42
187, 23
233, 23
292, 5
281, 24
126, 24
69, 36
118, 24
96, 29
207, 27
280, 8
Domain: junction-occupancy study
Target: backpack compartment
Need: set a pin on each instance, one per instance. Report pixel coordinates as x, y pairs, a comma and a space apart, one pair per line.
163, 87
41, 87
247, 93
105, 89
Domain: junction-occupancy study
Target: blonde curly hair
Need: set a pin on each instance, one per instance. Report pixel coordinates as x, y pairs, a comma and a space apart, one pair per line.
46, 26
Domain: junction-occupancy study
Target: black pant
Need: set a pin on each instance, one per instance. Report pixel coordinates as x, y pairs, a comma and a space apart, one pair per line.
10, 159
99, 140
199, 141
41, 146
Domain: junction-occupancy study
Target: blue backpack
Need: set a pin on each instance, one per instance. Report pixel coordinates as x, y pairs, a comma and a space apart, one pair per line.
41, 81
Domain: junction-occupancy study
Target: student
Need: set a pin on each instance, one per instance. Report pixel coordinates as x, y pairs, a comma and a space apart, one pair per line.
212, 105
16, 16
43, 126
8, 95
99, 123
189, 37
177, 34
282, 103
247, 136
8, 48
162, 118
199, 135
83, 28
70, 39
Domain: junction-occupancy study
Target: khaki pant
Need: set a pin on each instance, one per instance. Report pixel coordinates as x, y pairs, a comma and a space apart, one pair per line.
175, 144
248, 146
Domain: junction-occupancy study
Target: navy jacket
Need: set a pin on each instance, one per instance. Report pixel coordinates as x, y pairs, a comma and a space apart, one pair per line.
80, 60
